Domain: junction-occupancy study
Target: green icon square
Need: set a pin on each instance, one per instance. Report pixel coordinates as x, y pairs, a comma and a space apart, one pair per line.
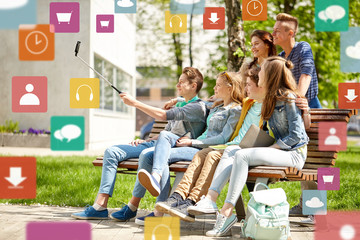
67, 133
331, 15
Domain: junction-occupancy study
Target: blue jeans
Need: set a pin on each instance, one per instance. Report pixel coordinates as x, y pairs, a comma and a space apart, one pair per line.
147, 161
112, 157
315, 103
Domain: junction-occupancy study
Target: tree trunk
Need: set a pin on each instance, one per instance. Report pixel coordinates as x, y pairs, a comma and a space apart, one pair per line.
178, 53
236, 35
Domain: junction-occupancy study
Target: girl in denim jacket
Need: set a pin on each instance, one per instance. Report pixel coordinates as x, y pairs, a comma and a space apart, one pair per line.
283, 120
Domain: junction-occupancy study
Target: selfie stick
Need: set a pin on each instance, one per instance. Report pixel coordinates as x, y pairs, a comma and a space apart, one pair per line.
76, 55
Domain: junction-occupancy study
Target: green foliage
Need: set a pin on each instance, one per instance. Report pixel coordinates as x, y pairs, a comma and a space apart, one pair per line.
9, 127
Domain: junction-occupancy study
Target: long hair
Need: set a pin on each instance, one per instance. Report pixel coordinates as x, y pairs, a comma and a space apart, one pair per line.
234, 80
278, 82
268, 40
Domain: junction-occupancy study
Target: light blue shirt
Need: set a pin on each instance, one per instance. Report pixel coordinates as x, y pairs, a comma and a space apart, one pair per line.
252, 117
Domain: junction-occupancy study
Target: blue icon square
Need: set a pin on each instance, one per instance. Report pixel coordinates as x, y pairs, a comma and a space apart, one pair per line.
16, 12
350, 50
187, 6
125, 6
314, 202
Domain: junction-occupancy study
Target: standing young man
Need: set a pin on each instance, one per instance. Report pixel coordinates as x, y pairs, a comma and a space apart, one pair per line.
187, 117
304, 71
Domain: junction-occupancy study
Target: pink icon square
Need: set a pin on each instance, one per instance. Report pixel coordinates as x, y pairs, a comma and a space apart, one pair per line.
104, 23
58, 231
29, 94
65, 17
328, 178
338, 225
332, 136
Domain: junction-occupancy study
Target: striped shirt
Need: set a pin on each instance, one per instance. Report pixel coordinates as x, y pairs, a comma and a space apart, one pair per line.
302, 58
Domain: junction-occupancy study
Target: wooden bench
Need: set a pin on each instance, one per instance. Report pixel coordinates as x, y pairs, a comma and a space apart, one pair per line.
267, 174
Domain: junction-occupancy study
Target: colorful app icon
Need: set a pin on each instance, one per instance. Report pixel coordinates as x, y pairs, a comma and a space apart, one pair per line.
17, 178
254, 10
105, 23
125, 6
350, 50
29, 94
58, 230
328, 178
344, 225
349, 95
331, 15
65, 17
214, 18
187, 6
162, 228
332, 136
36, 42
16, 12
67, 133
314, 202
175, 23
84, 93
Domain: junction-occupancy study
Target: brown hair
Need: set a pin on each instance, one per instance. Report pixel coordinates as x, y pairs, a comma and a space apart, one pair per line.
290, 20
278, 82
268, 39
253, 74
237, 88
194, 76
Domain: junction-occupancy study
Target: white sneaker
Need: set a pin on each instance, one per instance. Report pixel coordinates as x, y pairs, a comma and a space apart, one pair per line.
222, 226
204, 206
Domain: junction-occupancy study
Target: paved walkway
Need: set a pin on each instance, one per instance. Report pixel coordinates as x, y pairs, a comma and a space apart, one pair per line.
13, 220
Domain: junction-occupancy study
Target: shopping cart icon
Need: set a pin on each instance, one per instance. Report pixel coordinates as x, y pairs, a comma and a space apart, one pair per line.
104, 23
63, 17
328, 178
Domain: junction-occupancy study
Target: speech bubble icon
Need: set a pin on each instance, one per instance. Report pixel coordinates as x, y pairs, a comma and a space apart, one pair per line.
58, 135
335, 12
70, 132
322, 16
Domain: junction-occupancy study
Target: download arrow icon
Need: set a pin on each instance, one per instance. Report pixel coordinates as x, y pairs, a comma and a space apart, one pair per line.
214, 18
351, 95
15, 176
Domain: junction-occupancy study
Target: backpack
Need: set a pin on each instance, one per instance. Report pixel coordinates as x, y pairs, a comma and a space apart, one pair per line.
267, 215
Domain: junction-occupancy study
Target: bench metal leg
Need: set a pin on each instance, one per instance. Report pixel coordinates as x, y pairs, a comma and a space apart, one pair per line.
179, 176
261, 180
240, 209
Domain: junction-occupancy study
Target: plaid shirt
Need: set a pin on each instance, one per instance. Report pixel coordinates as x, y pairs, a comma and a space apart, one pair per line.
302, 58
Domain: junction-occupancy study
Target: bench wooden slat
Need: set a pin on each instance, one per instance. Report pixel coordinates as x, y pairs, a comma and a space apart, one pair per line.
325, 161
324, 154
266, 173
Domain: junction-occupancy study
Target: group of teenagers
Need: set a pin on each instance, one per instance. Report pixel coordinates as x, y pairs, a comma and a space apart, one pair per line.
274, 92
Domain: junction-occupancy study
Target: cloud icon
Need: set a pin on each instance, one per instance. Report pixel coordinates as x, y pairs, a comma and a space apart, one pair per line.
125, 3
69, 132
334, 12
353, 51
11, 4
314, 203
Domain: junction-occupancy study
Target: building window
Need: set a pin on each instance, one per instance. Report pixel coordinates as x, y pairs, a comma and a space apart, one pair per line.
167, 92
143, 92
109, 99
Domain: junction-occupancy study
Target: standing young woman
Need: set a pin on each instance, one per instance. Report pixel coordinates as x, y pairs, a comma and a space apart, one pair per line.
284, 122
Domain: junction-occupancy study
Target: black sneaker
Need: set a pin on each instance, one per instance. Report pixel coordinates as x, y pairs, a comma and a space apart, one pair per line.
181, 211
174, 200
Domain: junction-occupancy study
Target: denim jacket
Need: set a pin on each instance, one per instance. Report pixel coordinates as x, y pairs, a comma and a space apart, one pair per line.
221, 125
287, 125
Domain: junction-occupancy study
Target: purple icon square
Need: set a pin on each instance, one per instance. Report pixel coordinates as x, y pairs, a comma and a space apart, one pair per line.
65, 17
58, 231
104, 23
328, 178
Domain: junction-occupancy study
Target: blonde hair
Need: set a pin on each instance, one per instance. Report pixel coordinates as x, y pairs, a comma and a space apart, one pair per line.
279, 83
237, 87
289, 20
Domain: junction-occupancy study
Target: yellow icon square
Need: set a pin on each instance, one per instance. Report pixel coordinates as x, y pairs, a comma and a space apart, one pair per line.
162, 228
175, 23
84, 93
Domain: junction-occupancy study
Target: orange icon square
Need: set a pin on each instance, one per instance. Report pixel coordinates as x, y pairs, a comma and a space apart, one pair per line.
349, 95
17, 178
36, 43
254, 10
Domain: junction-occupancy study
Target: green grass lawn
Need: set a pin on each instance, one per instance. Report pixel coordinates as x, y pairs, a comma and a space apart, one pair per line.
74, 181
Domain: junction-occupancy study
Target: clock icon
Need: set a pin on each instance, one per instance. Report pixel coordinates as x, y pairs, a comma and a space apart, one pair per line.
36, 42
254, 8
